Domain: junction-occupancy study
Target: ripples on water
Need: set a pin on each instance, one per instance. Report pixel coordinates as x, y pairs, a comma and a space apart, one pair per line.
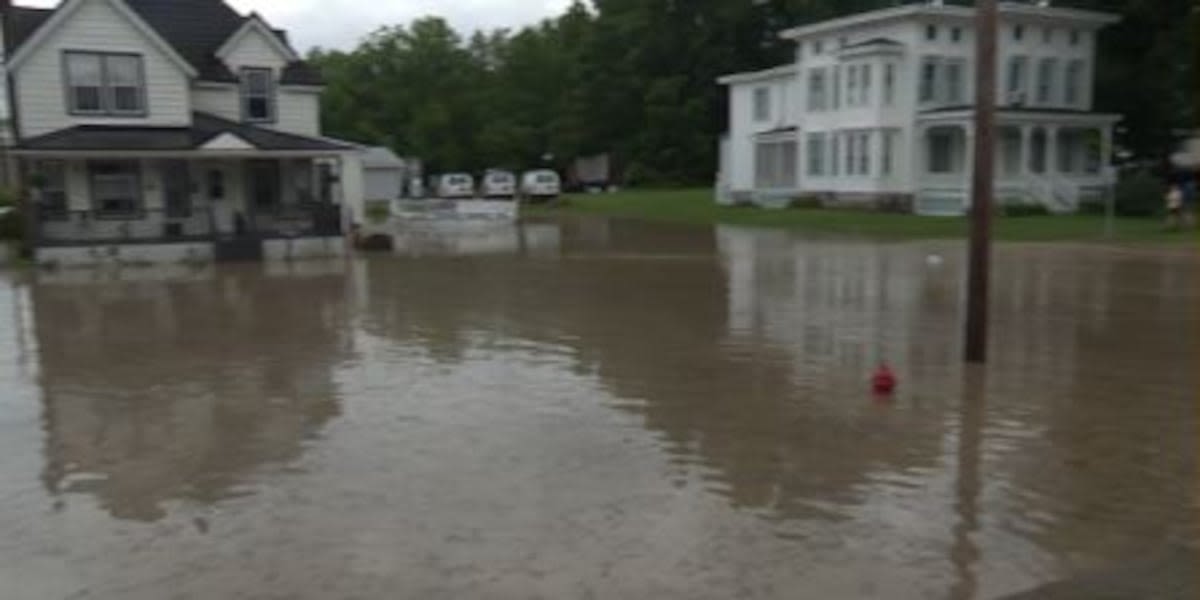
594, 409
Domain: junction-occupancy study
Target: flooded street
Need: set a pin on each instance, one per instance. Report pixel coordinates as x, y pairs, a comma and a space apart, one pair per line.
596, 409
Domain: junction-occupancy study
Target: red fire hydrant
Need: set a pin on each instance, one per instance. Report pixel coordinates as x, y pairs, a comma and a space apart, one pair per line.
884, 380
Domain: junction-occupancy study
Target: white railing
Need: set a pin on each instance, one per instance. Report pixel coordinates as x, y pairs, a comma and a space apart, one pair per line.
1058, 194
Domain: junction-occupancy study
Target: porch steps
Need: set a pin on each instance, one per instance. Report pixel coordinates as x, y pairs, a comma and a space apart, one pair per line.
238, 249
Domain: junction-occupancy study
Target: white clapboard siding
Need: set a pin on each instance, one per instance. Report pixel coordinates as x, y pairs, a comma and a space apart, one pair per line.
41, 97
297, 110
222, 102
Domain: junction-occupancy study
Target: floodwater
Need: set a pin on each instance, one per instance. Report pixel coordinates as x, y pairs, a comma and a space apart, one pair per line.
596, 409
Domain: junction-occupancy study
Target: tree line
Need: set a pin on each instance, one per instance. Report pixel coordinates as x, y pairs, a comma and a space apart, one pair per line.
636, 79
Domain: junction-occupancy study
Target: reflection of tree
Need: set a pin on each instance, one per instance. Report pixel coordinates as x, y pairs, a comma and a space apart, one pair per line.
175, 390
653, 322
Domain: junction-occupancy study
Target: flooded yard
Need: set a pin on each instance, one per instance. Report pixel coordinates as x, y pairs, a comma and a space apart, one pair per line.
597, 409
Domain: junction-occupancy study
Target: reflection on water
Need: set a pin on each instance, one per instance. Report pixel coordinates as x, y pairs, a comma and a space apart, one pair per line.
596, 409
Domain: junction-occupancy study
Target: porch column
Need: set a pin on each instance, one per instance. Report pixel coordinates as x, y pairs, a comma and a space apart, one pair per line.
1106, 150
1051, 149
969, 166
1026, 154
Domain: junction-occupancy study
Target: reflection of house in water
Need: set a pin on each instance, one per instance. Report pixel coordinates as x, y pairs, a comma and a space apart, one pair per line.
160, 391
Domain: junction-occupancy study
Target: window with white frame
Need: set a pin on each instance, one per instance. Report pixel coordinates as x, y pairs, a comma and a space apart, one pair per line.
835, 157
116, 187
1047, 70
762, 104
775, 164
258, 95
1073, 93
816, 154
889, 84
888, 155
816, 90
858, 153
100, 83
941, 152
955, 82
865, 83
849, 150
1018, 69
928, 82
852, 85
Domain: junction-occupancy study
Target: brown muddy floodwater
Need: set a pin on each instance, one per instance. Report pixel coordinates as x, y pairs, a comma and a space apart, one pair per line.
596, 409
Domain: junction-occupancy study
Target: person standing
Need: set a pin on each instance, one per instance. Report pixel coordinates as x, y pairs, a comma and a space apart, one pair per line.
1174, 202
1188, 192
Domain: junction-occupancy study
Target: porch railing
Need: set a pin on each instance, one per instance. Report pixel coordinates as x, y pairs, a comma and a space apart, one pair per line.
57, 227
73, 227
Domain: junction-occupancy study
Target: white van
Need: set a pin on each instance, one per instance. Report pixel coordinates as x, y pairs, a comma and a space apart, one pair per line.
499, 184
456, 185
541, 185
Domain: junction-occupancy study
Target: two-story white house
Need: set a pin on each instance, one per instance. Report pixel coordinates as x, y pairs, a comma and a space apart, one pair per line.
876, 110
161, 129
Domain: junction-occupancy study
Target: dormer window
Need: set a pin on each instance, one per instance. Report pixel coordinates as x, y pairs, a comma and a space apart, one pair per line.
106, 84
258, 95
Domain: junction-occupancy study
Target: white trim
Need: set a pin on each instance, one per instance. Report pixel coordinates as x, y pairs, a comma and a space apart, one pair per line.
753, 76
68, 10
202, 84
1094, 18
256, 22
197, 154
1004, 117
226, 141
299, 88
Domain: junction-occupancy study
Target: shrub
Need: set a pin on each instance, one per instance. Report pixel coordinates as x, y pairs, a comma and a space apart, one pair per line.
1139, 194
11, 224
378, 212
805, 202
1025, 210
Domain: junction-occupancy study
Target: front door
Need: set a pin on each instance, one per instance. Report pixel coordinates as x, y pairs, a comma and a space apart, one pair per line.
263, 186
177, 189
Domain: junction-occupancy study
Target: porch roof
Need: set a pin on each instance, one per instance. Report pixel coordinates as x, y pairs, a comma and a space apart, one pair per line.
205, 128
1021, 114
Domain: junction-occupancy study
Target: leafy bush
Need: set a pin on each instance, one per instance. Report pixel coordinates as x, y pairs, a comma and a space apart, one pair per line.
1025, 210
378, 212
805, 202
11, 224
1139, 194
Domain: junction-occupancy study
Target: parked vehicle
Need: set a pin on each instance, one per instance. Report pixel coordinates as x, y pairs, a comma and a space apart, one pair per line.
456, 185
541, 185
499, 184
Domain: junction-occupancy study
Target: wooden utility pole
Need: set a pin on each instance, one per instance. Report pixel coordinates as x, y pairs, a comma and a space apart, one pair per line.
982, 185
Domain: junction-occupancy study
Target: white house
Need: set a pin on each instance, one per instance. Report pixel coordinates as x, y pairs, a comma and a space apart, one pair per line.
169, 129
877, 110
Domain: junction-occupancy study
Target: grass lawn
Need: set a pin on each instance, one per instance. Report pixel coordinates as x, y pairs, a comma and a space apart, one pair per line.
696, 206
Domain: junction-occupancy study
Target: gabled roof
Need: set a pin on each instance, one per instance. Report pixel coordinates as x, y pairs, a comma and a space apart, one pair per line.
68, 10
22, 22
255, 23
195, 29
205, 128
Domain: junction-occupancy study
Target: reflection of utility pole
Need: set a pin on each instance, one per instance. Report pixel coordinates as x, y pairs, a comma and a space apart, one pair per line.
982, 186
968, 483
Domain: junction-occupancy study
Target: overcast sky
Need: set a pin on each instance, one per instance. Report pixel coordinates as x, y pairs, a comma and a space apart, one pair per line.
341, 23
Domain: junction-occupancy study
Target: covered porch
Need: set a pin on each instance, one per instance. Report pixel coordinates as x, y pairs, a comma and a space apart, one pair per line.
1057, 160
107, 187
